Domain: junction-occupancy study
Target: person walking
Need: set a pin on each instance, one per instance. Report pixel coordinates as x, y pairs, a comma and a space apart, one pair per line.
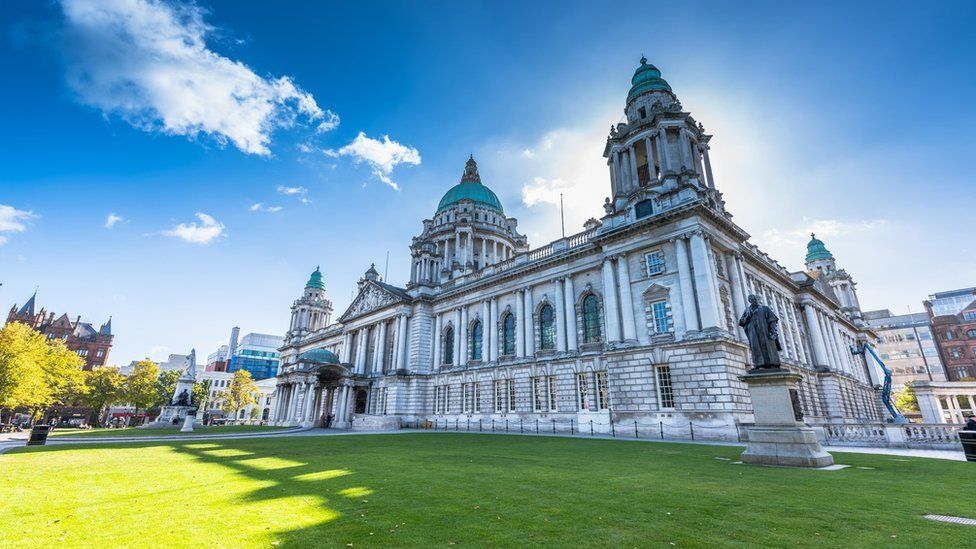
970, 424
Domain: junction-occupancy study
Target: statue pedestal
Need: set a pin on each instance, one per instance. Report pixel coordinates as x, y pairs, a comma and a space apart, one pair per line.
173, 415
779, 436
188, 422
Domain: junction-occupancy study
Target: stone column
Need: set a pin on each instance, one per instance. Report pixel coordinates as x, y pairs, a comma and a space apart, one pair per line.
813, 331
493, 338
484, 253
486, 330
632, 152
437, 342
610, 301
560, 313
688, 307
618, 176
662, 141
309, 404
570, 304
379, 353
346, 345
738, 302
360, 350
704, 282
529, 324
708, 167
649, 147
402, 359
293, 393
626, 298
464, 335
279, 389
519, 323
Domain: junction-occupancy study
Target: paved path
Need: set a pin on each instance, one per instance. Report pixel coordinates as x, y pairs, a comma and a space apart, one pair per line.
8, 441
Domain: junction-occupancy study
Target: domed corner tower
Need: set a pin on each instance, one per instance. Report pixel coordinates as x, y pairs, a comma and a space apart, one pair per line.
468, 232
820, 263
312, 311
658, 158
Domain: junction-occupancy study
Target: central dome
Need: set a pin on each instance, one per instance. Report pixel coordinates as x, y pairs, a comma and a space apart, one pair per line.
646, 78
470, 188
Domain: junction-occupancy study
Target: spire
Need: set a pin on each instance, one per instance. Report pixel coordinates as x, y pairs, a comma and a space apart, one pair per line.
106, 328
471, 172
28, 308
371, 274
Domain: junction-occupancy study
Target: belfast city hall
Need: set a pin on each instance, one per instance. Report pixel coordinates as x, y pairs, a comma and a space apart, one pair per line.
632, 321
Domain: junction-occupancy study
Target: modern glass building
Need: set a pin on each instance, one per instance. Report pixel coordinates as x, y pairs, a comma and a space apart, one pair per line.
258, 354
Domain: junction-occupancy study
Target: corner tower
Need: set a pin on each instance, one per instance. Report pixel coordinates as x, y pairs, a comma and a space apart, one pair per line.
820, 263
311, 312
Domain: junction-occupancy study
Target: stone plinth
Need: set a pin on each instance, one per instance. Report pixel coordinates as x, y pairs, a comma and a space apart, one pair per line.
779, 436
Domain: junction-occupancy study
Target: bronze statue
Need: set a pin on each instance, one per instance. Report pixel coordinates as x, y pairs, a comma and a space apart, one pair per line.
760, 325
183, 399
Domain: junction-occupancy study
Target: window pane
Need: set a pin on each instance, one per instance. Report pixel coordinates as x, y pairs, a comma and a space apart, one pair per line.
476, 341
591, 319
664, 391
546, 328
449, 346
655, 263
508, 345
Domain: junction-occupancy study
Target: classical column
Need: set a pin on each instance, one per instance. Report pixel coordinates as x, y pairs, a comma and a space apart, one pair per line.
493, 322
484, 253
688, 308
379, 350
708, 167
610, 301
529, 324
519, 323
560, 313
570, 304
632, 152
626, 298
437, 342
684, 145
662, 141
457, 336
738, 302
618, 176
309, 403
293, 393
649, 147
813, 332
464, 335
279, 389
486, 329
401, 350
704, 283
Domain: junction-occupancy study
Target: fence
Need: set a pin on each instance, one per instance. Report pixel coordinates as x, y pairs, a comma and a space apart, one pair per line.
611, 428
940, 436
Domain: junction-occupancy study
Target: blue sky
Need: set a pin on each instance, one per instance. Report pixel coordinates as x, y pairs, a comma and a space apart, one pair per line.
242, 144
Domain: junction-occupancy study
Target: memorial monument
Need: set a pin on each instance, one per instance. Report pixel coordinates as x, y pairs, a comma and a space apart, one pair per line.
779, 436
181, 408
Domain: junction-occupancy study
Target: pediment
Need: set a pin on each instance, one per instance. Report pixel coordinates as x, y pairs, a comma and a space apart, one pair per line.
372, 297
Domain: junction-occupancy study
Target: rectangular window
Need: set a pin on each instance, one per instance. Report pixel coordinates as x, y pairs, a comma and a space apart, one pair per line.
511, 395
665, 395
655, 263
552, 393
477, 397
499, 396
83, 352
447, 399
662, 323
602, 391
100, 353
969, 315
582, 392
465, 398
538, 399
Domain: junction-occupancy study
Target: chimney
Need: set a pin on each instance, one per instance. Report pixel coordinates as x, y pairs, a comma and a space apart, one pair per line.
232, 348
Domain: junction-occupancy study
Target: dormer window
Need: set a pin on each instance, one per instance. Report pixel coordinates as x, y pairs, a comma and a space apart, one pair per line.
642, 112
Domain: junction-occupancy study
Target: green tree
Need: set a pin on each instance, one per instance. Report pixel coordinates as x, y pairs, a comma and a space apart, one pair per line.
22, 380
106, 386
166, 386
63, 375
141, 387
906, 400
240, 393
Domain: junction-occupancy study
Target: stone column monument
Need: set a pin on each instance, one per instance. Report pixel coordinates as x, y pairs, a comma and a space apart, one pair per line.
181, 410
779, 436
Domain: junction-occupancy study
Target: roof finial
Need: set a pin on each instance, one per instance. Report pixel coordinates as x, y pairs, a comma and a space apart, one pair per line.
813, 235
643, 59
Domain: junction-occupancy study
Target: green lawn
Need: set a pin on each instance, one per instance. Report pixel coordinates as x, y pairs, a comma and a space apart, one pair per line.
136, 432
442, 489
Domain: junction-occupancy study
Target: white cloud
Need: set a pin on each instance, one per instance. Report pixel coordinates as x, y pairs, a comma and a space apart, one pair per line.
382, 156
112, 219
13, 220
262, 207
823, 228
544, 190
147, 61
290, 191
198, 233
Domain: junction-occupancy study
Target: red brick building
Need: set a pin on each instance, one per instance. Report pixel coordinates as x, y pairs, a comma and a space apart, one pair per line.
81, 337
953, 318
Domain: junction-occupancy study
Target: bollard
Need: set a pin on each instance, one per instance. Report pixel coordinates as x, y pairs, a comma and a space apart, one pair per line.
479, 425
506, 425
591, 427
492, 425
662, 430
635, 429
521, 425
537, 426
468, 424
554, 426
456, 420
692, 427
613, 430
571, 430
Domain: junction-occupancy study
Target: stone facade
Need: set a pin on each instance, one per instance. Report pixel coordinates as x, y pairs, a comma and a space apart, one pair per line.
632, 320
81, 337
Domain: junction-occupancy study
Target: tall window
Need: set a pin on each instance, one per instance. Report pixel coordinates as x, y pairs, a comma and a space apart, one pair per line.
499, 396
538, 393
661, 321
438, 391
511, 395
582, 392
950, 335
591, 319
665, 395
508, 335
447, 399
547, 331
969, 333
466, 398
476, 338
448, 346
655, 263
477, 397
602, 391
552, 393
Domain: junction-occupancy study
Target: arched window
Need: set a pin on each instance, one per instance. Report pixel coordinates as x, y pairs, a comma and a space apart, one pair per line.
591, 319
547, 332
476, 340
970, 333
448, 346
508, 335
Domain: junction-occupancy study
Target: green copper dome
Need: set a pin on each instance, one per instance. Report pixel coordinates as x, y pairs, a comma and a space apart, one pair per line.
646, 78
319, 356
315, 281
816, 249
470, 188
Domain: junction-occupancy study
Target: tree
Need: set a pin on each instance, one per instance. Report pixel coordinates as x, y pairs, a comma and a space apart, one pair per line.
141, 387
22, 381
906, 399
239, 394
106, 387
201, 394
166, 386
63, 374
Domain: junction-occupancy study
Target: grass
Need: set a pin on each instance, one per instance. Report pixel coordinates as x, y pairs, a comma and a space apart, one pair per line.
441, 489
136, 432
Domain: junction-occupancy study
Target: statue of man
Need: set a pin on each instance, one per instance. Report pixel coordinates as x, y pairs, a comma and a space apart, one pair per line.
183, 399
760, 325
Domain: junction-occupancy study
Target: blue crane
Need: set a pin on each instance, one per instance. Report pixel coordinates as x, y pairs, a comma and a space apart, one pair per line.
896, 416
